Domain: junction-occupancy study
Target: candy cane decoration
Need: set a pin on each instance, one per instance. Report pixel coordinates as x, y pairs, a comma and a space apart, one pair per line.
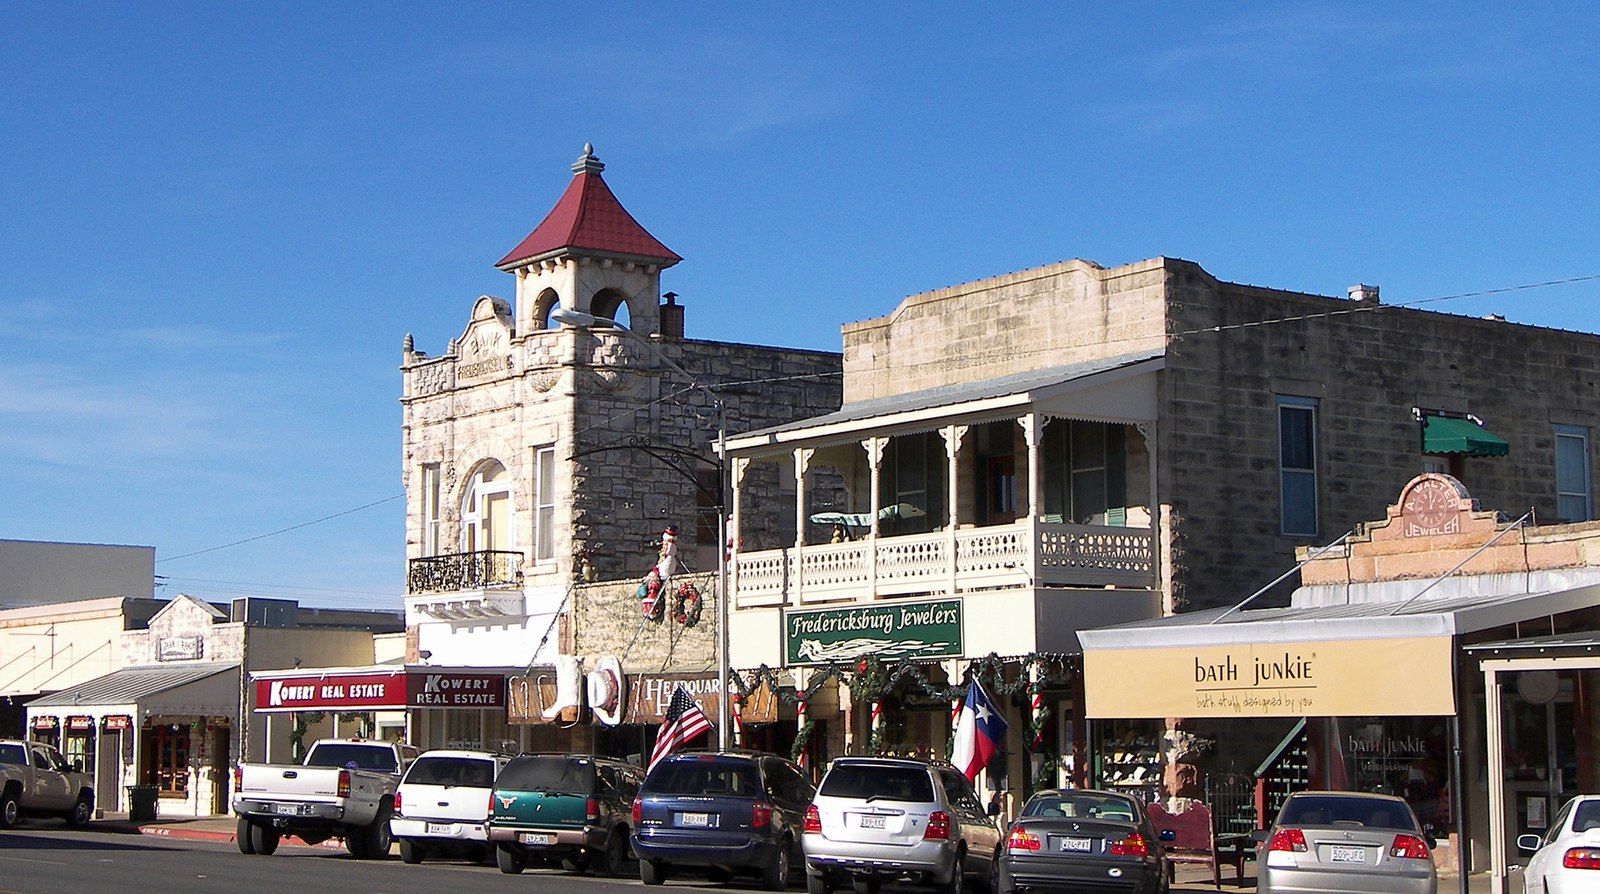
1037, 706
877, 722
800, 728
738, 723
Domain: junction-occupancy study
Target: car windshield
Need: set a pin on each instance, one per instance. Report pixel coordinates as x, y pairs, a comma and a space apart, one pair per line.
553, 774
703, 776
353, 756
1346, 810
878, 782
1083, 806
450, 771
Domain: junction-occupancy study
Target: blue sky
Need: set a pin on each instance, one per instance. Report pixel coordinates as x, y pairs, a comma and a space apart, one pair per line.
219, 221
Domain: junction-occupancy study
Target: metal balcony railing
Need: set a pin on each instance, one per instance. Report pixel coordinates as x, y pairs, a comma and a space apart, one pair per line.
482, 570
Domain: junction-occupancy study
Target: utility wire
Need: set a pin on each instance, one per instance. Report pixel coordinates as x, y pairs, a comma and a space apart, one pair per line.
212, 549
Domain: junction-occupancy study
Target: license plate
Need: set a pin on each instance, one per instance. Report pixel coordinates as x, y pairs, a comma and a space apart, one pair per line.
289, 809
868, 821
695, 820
1347, 855
441, 829
1077, 845
538, 838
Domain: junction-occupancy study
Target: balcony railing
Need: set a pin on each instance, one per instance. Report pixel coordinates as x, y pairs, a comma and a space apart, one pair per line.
482, 570
1026, 553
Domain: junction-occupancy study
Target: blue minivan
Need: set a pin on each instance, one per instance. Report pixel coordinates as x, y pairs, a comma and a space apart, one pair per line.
723, 812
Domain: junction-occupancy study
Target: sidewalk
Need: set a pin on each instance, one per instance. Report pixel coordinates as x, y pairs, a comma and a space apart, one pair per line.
1190, 880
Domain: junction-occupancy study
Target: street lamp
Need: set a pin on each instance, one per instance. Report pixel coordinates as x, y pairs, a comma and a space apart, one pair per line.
577, 319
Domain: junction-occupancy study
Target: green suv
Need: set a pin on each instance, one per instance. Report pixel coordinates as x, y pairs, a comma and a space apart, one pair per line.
574, 808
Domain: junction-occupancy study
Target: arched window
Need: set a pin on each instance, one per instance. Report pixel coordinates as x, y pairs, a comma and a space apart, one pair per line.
610, 304
486, 510
547, 301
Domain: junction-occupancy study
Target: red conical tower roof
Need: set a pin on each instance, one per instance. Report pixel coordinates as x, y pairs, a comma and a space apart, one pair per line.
588, 219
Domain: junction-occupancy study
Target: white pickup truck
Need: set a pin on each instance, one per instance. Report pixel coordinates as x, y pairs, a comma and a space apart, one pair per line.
343, 789
36, 781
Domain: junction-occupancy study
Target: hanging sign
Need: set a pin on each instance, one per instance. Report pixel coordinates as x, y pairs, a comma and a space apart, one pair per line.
889, 630
645, 703
425, 690
80, 723
118, 722
42, 723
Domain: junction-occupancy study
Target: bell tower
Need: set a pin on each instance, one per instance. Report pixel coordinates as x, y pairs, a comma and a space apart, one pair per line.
590, 255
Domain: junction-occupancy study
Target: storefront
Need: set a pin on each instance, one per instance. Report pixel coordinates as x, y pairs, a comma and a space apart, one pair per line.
1543, 697
426, 706
169, 727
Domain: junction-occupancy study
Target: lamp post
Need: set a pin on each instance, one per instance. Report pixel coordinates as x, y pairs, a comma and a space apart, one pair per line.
577, 319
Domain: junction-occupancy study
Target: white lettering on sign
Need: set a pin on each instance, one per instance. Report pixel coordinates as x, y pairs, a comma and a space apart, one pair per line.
282, 694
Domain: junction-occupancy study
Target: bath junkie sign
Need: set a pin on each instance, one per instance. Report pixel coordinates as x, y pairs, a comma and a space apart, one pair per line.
890, 631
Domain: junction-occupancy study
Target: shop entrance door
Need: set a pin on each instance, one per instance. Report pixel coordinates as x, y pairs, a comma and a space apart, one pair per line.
1540, 757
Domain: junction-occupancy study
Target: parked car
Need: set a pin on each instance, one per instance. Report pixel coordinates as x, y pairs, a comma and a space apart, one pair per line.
1567, 859
1082, 840
726, 812
1349, 841
884, 819
36, 781
575, 808
344, 788
442, 805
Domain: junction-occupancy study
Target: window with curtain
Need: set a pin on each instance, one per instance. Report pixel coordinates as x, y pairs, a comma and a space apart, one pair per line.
544, 501
1572, 473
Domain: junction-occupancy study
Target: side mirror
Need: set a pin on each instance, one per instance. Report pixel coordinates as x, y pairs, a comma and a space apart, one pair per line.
993, 809
1259, 836
1168, 835
1529, 843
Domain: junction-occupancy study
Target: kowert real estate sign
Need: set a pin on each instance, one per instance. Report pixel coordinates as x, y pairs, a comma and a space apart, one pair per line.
380, 692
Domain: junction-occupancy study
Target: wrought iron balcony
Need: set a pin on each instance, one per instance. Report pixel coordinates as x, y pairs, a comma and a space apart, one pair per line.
457, 572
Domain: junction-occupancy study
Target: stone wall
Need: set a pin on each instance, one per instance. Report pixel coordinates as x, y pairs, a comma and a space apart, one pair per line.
607, 620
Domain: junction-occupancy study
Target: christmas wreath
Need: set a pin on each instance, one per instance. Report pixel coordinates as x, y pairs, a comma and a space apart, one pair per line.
686, 605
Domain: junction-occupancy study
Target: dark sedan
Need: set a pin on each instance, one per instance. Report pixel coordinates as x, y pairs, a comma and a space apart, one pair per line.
1082, 840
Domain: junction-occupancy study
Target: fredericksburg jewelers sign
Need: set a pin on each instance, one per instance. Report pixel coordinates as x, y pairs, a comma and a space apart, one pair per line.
888, 630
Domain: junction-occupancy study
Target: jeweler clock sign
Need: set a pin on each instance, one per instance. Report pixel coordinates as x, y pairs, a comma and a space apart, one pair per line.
1320, 678
890, 631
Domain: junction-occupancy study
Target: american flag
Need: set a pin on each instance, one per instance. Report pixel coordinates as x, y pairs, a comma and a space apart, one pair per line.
683, 722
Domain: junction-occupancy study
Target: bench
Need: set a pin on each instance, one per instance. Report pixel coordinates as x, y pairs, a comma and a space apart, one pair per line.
1195, 841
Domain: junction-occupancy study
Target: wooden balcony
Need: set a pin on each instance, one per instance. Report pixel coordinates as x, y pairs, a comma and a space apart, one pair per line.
1026, 553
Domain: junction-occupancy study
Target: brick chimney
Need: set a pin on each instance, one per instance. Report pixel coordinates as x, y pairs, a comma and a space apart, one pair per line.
671, 316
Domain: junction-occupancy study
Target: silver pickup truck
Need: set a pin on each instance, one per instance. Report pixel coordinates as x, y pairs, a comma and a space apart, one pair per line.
36, 781
343, 789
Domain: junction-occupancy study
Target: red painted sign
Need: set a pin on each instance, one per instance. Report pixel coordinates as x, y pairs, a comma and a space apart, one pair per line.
322, 692
44, 723
80, 723
427, 690
119, 721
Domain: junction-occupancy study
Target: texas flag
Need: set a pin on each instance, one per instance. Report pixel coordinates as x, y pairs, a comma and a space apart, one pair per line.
979, 732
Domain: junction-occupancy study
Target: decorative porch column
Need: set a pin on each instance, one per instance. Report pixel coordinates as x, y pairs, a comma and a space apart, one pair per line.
739, 468
802, 463
874, 447
1160, 556
952, 435
1032, 431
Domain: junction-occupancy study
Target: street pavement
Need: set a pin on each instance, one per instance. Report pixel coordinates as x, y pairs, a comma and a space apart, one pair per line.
1190, 880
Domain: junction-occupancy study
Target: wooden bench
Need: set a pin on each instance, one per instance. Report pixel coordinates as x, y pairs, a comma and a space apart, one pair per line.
1195, 841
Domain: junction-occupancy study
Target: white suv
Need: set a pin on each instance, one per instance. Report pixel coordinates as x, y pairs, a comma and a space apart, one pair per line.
884, 819
442, 803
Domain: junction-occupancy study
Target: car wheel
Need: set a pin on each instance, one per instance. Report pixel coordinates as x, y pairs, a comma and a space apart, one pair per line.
991, 882
818, 883
958, 876
377, 834
575, 864
263, 839
865, 884
775, 875
616, 853
82, 812
241, 836
651, 872
511, 862
356, 843
410, 851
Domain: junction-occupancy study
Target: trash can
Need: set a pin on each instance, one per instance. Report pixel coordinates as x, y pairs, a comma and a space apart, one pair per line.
141, 803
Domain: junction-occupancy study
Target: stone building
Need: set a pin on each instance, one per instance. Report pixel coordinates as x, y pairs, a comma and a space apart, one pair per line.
538, 455
1074, 446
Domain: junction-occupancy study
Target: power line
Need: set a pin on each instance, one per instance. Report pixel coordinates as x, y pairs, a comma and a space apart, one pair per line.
308, 524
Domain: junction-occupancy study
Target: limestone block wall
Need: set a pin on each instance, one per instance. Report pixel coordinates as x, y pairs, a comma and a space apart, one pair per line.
607, 621
1367, 366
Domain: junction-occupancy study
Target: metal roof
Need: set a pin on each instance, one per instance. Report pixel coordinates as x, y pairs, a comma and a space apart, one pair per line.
1584, 641
1028, 383
131, 684
1445, 616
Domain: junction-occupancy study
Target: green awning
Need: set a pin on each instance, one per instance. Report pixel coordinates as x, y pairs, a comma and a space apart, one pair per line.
1442, 434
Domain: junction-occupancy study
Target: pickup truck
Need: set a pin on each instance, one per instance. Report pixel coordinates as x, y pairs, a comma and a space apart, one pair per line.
343, 789
36, 781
